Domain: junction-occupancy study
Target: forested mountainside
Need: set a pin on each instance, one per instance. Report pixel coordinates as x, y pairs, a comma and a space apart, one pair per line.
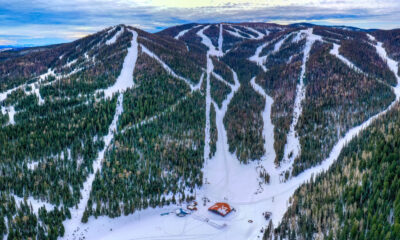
125, 122
358, 197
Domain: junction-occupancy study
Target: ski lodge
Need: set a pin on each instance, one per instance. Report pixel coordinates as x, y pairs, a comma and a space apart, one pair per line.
220, 208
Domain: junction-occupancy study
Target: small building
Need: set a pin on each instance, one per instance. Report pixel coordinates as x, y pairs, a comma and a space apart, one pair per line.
181, 212
221, 208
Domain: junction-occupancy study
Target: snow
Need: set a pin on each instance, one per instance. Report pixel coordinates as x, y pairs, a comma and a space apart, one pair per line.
125, 79
115, 37
268, 127
70, 63
210, 68
212, 51
10, 111
183, 32
220, 38
36, 203
238, 33
72, 226
292, 147
219, 78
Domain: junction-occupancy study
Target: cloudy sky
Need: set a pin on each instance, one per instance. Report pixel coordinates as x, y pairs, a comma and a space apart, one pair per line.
40, 22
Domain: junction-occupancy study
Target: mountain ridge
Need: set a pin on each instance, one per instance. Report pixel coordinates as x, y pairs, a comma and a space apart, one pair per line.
126, 122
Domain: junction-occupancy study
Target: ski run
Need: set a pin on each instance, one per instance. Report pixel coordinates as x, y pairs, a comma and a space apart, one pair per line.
260, 60
73, 228
115, 37
125, 78
292, 147
225, 178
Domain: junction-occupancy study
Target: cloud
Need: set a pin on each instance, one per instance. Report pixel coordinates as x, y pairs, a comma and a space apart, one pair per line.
68, 20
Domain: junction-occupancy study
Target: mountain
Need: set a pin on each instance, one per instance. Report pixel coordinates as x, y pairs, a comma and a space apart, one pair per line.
105, 136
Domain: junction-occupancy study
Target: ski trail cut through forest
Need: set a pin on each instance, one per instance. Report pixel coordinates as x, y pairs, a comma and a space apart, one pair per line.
292, 147
183, 32
268, 128
125, 78
170, 71
335, 51
72, 225
115, 37
124, 81
261, 60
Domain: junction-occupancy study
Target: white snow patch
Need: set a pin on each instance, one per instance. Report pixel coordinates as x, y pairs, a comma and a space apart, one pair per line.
268, 127
35, 203
10, 111
392, 64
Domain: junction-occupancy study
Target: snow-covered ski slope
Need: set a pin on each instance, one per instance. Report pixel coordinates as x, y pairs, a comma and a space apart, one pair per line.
225, 178
125, 79
292, 147
260, 60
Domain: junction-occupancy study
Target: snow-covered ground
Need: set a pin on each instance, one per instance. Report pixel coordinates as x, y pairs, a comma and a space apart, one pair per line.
125, 78
10, 111
268, 130
212, 50
35, 203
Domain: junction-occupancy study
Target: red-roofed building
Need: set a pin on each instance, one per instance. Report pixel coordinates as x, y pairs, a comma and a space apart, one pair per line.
221, 208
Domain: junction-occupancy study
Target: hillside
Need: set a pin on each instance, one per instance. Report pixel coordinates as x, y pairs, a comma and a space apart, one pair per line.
101, 135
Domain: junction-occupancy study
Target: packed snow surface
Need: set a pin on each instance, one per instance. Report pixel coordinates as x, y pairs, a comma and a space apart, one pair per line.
125, 79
